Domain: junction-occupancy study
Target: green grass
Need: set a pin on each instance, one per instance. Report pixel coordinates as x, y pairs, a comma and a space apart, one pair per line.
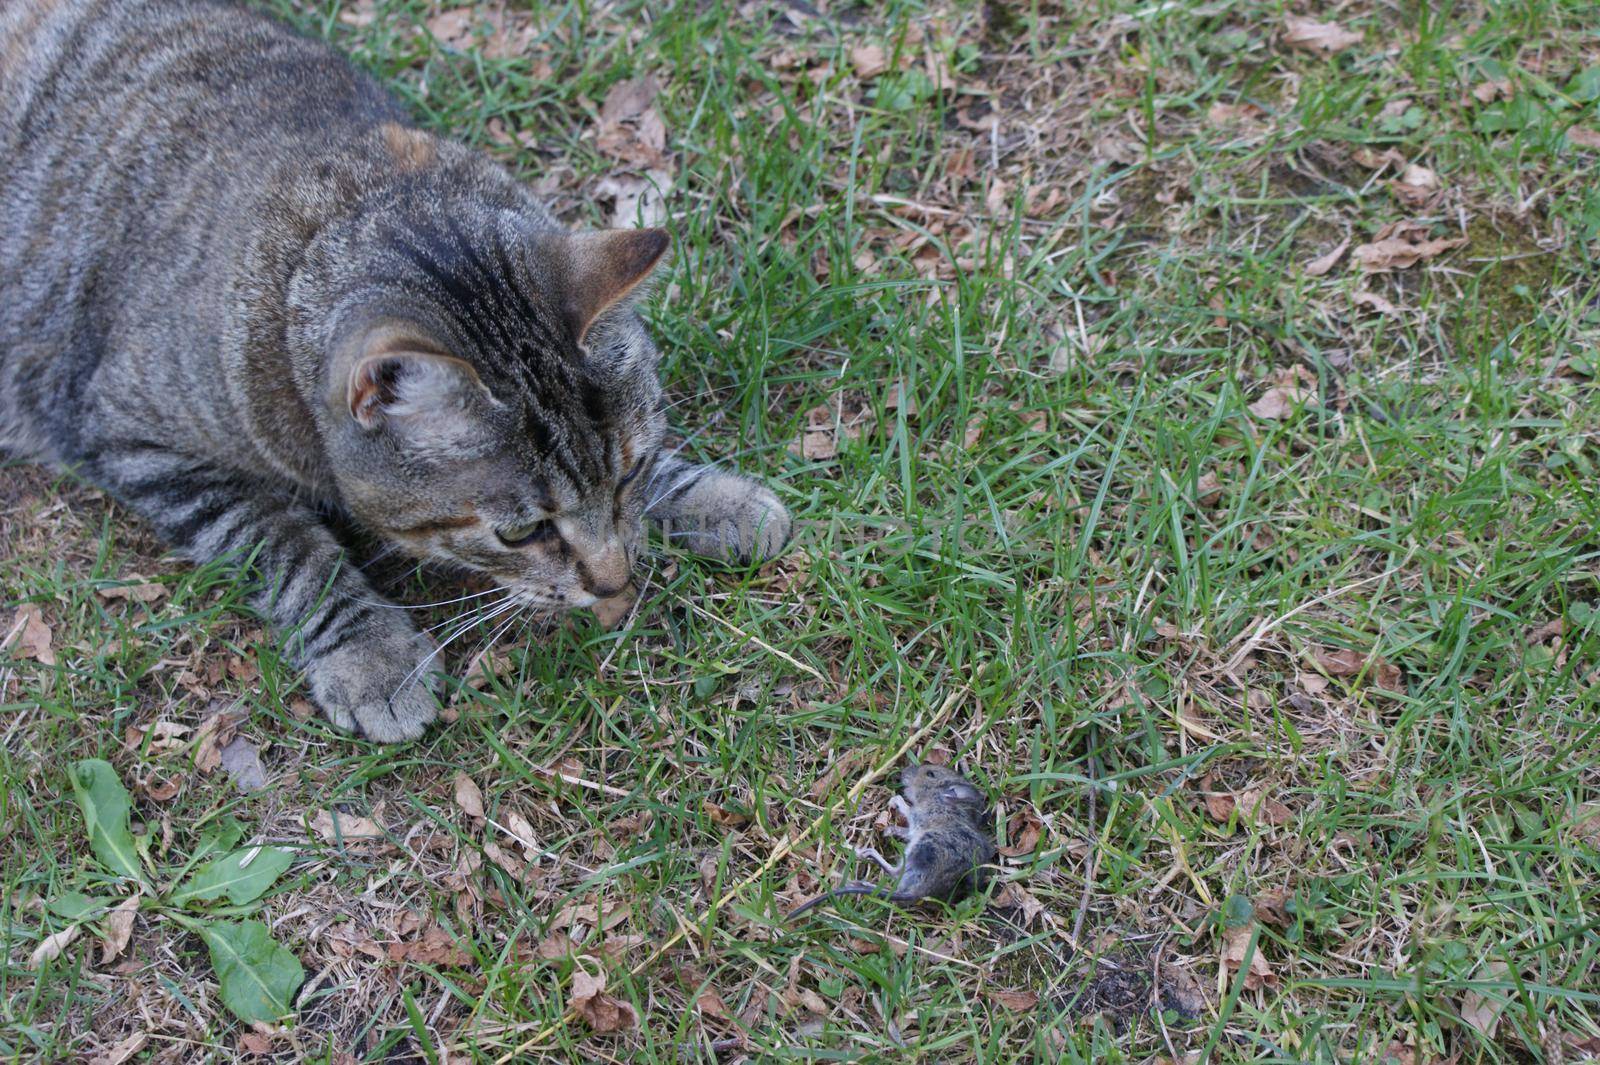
1024, 572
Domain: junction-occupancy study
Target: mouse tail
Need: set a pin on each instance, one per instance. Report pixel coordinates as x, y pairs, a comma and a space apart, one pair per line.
855, 887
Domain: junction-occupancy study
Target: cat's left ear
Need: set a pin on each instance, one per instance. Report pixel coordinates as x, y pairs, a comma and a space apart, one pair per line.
601, 270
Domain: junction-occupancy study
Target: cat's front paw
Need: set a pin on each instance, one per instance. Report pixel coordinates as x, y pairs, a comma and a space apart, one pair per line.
379, 685
733, 519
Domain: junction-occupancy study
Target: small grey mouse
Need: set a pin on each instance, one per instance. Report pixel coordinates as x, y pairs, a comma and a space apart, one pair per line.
949, 838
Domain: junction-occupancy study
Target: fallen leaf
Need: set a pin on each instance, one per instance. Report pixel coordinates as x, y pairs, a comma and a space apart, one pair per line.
1487, 92
899, 399
1416, 187
628, 99
711, 1004
631, 825
242, 761
214, 733
255, 1043
1219, 804
1259, 806
1323, 263
1208, 489
1279, 402
1482, 1011
452, 27
51, 946
836, 772
1015, 1000
868, 61
1221, 114
1581, 137
335, 827
1375, 302
721, 815
1234, 943
1024, 831
159, 789
1378, 160
161, 735
138, 590
1554, 627
119, 929
637, 201
554, 947
29, 635
998, 199
605, 1014
120, 1052
434, 947
1324, 38
1399, 245
468, 797
1016, 897
1339, 661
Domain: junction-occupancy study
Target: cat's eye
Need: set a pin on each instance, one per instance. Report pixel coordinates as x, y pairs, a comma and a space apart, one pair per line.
523, 535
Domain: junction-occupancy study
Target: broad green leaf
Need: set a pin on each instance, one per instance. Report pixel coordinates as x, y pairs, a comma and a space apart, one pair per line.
218, 838
258, 978
105, 814
75, 906
243, 876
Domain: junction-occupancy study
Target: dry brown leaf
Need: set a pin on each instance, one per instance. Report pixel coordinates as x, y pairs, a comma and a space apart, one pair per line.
1219, 804
452, 27
1399, 245
1416, 187
1024, 831
1279, 402
637, 200
722, 816
140, 592
998, 199
1323, 38
1339, 661
335, 827
1234, 943
1015, 896
836, 771
119, 929
554, 947
711, 1004
51, 946
1374, 160
1487, 92
435, 947
868, 61
1221, 114
631, 825
519, 829
605, 1014
1323, 263
120, 1052
468, 796
159, 789
214, 733
259, 1043
1373, 301
628, 99
899, 399
1208, 489
1482, 1011
28, 636
1581, 137
1256, 804
1015, 1000
161, 735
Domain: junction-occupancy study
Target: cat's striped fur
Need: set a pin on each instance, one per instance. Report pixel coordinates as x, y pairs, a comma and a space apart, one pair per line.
240, 291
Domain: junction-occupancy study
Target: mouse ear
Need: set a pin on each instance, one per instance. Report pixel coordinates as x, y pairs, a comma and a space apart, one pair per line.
960, 791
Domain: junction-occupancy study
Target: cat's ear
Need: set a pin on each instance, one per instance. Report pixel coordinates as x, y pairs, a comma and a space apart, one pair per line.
399, 377
602, 269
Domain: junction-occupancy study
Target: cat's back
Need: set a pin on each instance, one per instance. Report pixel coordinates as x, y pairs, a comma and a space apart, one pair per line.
138, 140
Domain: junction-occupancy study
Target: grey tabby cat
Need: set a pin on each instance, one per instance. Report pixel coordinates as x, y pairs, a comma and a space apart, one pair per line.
240, 291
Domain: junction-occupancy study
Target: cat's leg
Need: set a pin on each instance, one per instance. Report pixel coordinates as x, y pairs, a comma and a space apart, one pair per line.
367, 666
715, 513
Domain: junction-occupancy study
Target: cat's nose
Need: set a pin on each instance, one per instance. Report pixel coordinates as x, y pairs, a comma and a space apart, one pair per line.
606, 572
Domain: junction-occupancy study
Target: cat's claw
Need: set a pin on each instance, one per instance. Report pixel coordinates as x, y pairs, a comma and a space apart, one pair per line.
380, 686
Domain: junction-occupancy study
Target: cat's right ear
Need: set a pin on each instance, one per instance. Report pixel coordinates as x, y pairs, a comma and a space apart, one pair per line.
400, 378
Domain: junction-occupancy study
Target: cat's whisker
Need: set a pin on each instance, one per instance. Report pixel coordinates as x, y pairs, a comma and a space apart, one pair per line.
442, 602
420, 669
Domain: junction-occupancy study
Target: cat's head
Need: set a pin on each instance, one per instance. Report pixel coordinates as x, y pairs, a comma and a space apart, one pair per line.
493, 402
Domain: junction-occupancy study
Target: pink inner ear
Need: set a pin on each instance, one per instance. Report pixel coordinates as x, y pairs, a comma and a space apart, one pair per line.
366, 391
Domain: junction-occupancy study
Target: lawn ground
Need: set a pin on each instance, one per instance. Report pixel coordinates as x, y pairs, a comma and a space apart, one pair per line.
1192, 419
